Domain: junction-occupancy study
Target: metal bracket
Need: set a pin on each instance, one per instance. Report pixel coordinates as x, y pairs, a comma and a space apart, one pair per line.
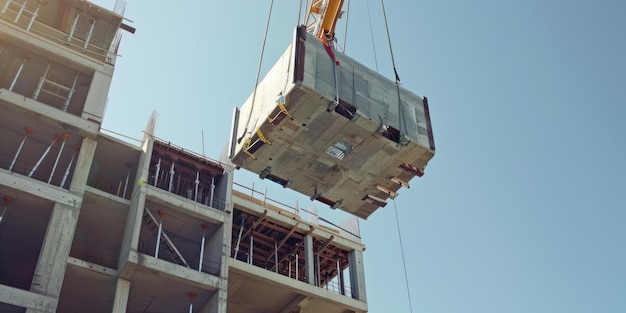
261, 137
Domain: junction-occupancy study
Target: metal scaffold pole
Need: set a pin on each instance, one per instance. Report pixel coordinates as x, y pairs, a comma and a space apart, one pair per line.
158, 242
156, 174
197, 182
6, 6
204, 229
71, 93
276, 255
171, 178
297, 273
42, 79
7, 202
251, 250
43, 156
19, 149
56, 162
127, 178
243, 220
212, 190
342, 290
69, 166
192, 295
318, 277
19, 71
72, 29
32, 18
19, 13
93, 24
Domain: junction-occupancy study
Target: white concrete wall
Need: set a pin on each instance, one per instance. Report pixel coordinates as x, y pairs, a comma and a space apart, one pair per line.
278, 79
95, 104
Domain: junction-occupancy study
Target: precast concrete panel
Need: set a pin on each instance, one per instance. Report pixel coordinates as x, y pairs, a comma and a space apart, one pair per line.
329, 127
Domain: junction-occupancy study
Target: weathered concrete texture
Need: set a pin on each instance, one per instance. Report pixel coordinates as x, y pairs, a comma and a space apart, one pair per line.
121, 296
83, 164
357, 275
137, 204
309, 259
254, 289
48, 113
343, 132
35, 303
50, 269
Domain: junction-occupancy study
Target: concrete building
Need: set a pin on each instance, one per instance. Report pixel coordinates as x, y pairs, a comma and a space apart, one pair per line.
91, 223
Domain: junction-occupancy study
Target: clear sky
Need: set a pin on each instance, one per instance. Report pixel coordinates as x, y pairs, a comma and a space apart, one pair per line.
522, 209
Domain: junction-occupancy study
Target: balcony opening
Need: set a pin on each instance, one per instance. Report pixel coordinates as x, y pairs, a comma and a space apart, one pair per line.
38, 150
99, 231
173, 236
22, 230
280, 248
48, 81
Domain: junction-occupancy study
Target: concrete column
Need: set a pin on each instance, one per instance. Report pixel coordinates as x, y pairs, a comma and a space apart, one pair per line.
83, 165
217, 302
309, 263
122, 289
95, 103
56, 247
228, 226
137, 204
357, 275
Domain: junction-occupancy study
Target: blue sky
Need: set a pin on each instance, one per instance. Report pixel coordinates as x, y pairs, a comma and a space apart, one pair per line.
523, 208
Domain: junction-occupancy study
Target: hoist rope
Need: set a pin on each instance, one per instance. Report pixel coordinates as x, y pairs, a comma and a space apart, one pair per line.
369, 17
258, 71
345, 31
402, 120
305, 19
393, 61
299, 13
282, 93
406, 277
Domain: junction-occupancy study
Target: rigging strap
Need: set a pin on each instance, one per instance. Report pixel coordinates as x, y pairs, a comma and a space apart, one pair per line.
402, 120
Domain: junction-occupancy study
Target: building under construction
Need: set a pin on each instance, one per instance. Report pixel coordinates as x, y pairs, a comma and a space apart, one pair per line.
91, 223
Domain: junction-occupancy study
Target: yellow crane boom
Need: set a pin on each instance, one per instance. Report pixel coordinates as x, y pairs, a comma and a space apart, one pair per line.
322, 18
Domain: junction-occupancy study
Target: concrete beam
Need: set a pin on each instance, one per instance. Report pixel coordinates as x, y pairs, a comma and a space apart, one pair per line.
51, 115
57, 243
139, 261
39, 189
72, 261
185, 205
48, 48
105, 195
308, 290
27, 299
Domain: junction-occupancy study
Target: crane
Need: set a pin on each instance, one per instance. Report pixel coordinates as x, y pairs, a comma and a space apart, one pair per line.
322, 19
